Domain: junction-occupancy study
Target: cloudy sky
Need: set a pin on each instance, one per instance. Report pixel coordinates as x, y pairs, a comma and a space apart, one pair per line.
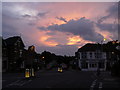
60, 27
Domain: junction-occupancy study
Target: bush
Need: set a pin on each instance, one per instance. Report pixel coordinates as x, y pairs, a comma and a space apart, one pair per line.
115, 70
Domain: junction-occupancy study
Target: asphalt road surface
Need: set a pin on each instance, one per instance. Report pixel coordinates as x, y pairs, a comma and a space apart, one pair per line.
66, 79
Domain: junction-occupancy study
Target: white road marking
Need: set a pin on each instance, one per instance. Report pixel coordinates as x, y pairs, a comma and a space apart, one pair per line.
14, 83
19, 83
25, 83
100, 85
93, 84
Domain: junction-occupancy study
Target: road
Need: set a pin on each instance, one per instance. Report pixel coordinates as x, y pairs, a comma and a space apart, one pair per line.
66, 79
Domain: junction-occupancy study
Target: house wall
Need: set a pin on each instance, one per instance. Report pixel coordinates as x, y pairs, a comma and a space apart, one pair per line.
92, 62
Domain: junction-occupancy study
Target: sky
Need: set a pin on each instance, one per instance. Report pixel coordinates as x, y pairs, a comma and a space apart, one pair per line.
60, 27
60, 0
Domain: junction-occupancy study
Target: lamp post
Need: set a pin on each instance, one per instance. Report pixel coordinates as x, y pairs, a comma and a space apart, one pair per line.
103, 54
43, 61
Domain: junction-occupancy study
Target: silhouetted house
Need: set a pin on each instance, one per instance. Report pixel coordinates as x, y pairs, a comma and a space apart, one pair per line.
4, 56
30, 57
15, 49
112, 53
91, 56
37, 61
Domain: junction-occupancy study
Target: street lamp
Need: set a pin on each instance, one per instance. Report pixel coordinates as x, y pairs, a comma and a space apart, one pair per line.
104, 39
102, 53
112, 52
43, 57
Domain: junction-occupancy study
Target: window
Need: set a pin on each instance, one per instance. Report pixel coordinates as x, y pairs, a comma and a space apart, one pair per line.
98, 55
84, 65
84, 55
93, 65
90, 54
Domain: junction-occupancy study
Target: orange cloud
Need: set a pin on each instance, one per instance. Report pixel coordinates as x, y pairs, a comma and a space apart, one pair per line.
44, 38
77, 40
105, 34
51, 43
73, 40
70, 11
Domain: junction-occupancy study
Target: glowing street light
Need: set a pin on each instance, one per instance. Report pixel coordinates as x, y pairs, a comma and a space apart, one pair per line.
112, 52
104, 39
43, 57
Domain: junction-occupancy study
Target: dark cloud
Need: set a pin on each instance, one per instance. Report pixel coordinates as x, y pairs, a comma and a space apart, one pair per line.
113, 10
51, 33
83, 27
61, 18
7, 19
103, 18
26, 16
112, 13
8, 28
31, 24
42, 14
33, 19
113, 27
107, 27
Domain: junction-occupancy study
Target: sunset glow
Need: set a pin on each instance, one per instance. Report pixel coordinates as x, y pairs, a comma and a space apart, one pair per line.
74, 40
55, 26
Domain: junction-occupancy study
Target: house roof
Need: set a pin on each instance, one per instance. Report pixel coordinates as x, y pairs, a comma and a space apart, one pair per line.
93, 47
12, 40
90, 47
4, 43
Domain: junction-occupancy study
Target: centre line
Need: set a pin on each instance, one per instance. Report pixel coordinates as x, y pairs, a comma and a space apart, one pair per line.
100, 85
93, 84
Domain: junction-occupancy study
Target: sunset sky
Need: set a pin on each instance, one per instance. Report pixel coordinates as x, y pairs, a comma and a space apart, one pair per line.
60, 27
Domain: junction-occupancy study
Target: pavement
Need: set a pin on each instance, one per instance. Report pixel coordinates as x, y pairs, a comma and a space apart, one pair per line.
66, 79
106, 81
110, 81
